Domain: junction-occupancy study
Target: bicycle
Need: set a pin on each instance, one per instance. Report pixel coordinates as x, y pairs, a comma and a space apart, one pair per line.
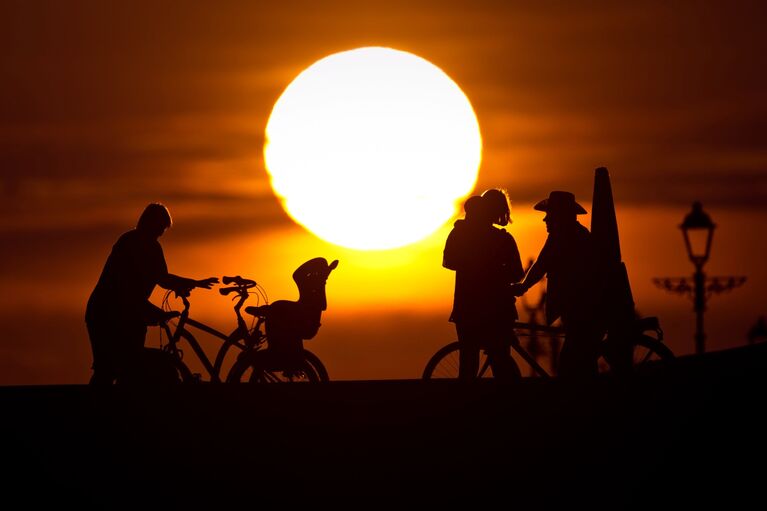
248, 340
645, 350
288, 324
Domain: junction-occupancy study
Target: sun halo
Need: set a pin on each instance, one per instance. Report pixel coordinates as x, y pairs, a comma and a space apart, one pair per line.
372, 148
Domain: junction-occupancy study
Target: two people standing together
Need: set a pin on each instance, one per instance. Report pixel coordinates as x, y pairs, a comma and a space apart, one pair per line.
489, 277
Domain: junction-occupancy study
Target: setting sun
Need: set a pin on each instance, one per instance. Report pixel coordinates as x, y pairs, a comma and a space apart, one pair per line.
372, 148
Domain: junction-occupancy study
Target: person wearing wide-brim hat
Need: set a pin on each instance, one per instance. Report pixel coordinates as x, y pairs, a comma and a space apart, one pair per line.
560, 203
568, 261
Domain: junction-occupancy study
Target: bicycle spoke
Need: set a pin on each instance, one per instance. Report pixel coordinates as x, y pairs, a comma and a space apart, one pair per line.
453, 365
447, 368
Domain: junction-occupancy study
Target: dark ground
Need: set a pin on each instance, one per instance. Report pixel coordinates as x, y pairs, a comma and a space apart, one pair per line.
683, 435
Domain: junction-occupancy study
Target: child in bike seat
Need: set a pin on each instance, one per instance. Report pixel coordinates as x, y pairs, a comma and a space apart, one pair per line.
289, 323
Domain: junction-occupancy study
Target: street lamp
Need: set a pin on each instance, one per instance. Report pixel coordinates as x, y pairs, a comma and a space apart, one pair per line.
698, 231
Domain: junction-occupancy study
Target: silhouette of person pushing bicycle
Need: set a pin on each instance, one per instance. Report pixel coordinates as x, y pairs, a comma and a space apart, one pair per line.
486, 261
567, 259
119, 310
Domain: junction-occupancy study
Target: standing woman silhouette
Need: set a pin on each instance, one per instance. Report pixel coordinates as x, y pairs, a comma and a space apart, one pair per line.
486, 262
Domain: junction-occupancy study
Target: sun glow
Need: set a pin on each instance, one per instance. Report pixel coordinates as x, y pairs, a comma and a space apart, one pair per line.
372, 148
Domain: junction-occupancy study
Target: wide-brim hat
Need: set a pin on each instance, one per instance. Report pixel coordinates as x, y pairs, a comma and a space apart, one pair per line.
563, 202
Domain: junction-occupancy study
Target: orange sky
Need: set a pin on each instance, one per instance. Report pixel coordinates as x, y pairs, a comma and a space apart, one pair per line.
104, 108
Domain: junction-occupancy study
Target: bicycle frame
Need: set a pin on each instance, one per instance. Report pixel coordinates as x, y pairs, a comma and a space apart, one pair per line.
522, 352
241, 337
526, 356
639, 327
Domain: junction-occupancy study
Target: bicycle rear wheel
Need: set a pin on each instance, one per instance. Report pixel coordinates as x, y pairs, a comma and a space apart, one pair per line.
444, 364
259, 367
317, 365
646, 352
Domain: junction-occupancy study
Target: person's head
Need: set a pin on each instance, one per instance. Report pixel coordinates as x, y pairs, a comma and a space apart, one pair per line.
498, 206
561, 210
154, 220
474, 208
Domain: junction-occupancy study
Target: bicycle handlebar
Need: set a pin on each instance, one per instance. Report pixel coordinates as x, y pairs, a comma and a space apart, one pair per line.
183, 293
238, 281
239, 284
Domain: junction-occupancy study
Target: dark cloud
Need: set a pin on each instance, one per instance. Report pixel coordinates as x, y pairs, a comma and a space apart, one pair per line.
140, 96
740, 189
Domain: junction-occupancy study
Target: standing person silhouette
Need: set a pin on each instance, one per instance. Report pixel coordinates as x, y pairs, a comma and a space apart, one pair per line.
567, 259
119, 309
486, 261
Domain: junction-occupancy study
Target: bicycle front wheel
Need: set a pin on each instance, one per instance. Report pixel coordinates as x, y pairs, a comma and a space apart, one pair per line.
259, 367
157, 367
445, 362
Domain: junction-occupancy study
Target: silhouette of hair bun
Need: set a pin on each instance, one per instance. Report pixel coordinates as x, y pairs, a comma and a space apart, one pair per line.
498, 205
473, 205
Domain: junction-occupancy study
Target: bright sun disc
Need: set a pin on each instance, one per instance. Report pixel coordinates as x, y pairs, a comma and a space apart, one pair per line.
372, 148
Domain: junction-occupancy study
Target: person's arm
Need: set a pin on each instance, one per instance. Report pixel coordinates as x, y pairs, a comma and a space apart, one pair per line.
451, 256
534, 274
154, 315
177, 283
514, 261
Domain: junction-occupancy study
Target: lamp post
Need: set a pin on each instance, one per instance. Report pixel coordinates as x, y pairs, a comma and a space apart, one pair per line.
698, 232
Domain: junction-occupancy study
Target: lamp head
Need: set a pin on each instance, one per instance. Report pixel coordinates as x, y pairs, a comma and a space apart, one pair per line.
698, 231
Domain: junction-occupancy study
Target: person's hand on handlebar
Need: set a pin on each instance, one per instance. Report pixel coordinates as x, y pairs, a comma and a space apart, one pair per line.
183, 285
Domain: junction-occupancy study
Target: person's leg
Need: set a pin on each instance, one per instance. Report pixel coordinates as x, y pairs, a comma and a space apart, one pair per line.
578, 357
100, 377
129, 347
468, 356
104, 370
499, 351
565, 367
618, 349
